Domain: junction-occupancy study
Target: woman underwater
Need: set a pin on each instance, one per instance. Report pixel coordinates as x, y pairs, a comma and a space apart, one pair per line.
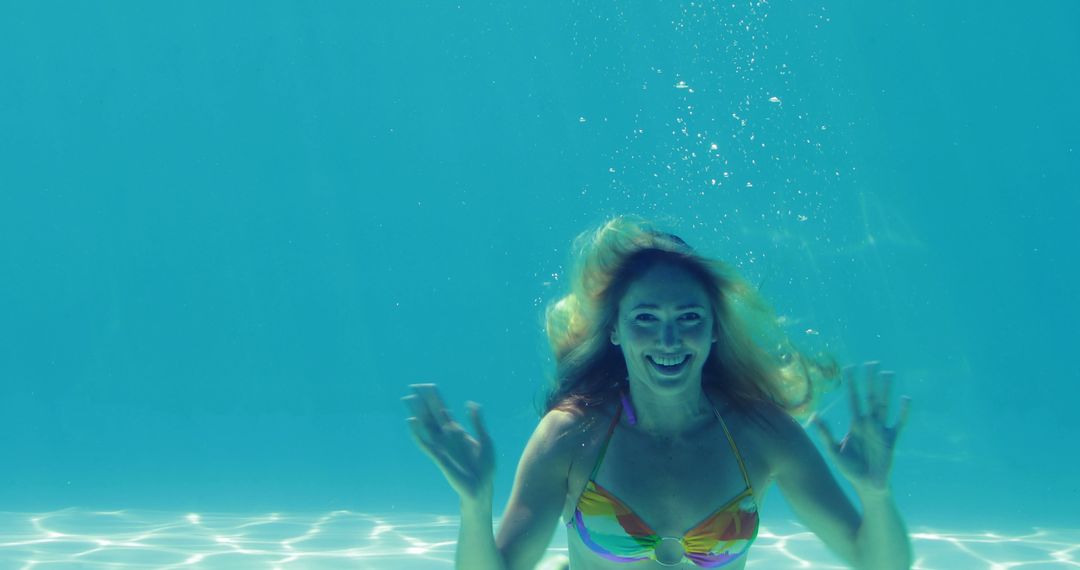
667, 425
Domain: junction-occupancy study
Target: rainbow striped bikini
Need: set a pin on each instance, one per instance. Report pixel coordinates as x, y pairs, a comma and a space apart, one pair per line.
611, 529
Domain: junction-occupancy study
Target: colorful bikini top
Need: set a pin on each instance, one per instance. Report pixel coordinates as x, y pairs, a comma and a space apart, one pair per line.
611, 529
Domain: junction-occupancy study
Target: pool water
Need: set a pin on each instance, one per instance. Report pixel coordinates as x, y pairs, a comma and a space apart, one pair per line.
231, 234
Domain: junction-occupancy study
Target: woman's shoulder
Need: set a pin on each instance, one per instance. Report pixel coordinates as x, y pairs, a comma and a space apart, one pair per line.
569, 429
759, 418
763, 424
777, 437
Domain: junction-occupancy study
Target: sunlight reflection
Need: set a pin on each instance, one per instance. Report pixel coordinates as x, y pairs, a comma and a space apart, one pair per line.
343, 539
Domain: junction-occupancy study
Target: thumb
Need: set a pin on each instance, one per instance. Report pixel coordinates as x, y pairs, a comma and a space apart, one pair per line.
478, 422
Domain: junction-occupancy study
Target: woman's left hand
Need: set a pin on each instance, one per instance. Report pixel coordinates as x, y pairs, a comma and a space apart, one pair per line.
865, 454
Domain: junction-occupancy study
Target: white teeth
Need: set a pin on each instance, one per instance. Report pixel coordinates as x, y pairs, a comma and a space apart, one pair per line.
670, 360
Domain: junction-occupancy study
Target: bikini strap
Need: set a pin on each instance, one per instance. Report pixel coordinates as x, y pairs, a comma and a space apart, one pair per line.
734, 448
607, 440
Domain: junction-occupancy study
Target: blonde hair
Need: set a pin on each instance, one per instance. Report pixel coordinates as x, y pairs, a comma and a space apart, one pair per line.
752, 362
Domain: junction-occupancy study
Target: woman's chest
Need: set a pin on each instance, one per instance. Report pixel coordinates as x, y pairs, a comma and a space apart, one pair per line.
582, 558
669, 484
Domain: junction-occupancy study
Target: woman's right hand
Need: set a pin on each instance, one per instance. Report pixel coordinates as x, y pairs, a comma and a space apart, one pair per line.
467, 462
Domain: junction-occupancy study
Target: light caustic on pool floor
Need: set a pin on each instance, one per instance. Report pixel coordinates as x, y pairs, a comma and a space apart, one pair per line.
81, 539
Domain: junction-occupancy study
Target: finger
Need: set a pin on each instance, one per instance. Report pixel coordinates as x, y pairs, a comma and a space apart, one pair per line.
873, 389
853, 393
825, 434
450, 467
905, 410
412, 401
420, 436
435, 449
478, 422
886, 380
415, 406
423, 415
429, 395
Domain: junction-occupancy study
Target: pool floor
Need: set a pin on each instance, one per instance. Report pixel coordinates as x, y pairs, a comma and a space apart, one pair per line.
83, 539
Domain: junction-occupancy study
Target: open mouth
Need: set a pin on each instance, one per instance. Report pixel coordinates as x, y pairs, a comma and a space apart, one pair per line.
669, 365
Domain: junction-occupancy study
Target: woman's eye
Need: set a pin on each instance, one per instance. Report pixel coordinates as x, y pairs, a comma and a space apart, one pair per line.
692, 317
645, 317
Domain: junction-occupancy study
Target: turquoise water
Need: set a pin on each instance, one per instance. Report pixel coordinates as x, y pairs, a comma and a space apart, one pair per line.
230, 235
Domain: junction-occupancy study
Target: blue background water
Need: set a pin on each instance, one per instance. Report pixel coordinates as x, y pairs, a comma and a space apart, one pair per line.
230, 235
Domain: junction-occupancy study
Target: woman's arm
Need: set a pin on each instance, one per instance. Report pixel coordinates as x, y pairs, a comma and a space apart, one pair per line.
540, 490
531, 514
877, 539
468, 463
882, 540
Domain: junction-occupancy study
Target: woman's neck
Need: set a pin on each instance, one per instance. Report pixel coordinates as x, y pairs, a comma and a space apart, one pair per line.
669, 415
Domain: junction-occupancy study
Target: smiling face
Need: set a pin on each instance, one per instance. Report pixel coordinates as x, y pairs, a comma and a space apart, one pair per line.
665, 329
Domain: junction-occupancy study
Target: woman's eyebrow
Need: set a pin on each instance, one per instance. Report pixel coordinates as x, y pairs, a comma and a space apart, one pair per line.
679, 308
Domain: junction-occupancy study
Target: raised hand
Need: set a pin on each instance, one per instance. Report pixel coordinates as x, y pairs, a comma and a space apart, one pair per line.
467, 462
865, 454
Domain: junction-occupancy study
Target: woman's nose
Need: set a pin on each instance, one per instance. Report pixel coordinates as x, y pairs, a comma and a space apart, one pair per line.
669, 335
